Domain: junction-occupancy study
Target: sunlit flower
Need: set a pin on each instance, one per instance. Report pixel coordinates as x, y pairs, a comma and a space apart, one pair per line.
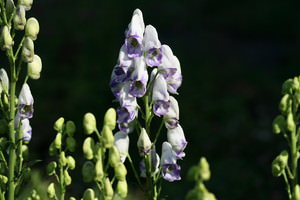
177, 139
152, 47
172, 116
139, 78
25, 102
160, 96
170, 170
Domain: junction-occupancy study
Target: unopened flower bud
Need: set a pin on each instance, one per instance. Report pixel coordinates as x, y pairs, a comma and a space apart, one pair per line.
4, 81
144, 143
122, 188
52, 149
34, 68
88, 148
58, 125
88, 171
27, 50
279, 124
26, 3
279, 163
89, 123
25, 151
58, 141
120, 171
110, 118
71, 144
289, 85
108, 137
108, 190
290, 122
51, 168
32, 28
19, 18
70, 128
204, 171
296, 192
114, 156
71, 162
3, 179
62, 158
67, 178
193, 173
99, 170
10, 7
284, 103
89, 194
6, 39
51, 191
72, 198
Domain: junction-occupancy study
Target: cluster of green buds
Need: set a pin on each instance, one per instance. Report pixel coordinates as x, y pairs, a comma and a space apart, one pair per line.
63, 144
200, 173
287, 123
34, 196
102, 154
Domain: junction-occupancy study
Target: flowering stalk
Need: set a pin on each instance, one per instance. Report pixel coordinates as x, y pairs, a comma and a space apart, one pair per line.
287, 123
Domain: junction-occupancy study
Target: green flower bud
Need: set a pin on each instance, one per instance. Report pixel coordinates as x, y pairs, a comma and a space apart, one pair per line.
279, 163
3, 179
58, 125
144, 143
71, 162
71, 144
108, 190
25, 152
72, 198
297, 97
290, 122
32, 28
122, 188
51, 191
193, 173
52, 149
108, 137
289, 85
26, 3
208, 196
99, 170
110, 118
89, 123
58, 141
88, 148
114, 156
67, 178
120, 171
6, 39
279, 124
34, 68
284, 103
98, 151
10, 7
88, 171
51, 168
62, 159
89, 194
27, 50
70, 128
296, 192
204, 171
19, 18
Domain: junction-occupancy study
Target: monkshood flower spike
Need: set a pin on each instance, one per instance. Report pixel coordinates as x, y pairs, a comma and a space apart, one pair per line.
145, 75
25, 103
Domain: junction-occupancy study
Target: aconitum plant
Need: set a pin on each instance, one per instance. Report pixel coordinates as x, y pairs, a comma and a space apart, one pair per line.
144, 82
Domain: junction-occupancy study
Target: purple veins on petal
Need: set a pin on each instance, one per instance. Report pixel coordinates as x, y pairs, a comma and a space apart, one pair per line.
160, 107
134, 46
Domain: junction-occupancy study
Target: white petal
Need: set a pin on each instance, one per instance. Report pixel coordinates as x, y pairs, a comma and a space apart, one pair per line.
151, 38
122, 144
4, 81
25, 96
167, 155
160, 91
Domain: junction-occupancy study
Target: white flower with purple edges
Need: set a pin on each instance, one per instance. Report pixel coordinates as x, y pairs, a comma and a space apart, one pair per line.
134, 35
26, 130
160, 96
177, 139
122, 144
139, 78
172, 116
152, 47
170, 169
25, 102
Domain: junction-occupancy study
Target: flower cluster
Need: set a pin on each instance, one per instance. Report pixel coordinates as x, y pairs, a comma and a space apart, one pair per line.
146, 68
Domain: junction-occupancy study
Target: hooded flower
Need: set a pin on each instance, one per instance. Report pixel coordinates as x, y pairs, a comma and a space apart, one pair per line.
134, 35
170, 170
144, 143
26, 130
154, 164
139, 78
152, 47
172, 116
127, 113
122, 144
4, 81
25, 103
160, 96
177, 139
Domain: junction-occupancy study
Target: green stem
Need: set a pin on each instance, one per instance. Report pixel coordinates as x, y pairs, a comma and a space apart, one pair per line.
147, 113
135, 172
61, 181
288, 188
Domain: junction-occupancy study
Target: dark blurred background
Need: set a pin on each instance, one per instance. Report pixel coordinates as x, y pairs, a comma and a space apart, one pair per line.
234, 57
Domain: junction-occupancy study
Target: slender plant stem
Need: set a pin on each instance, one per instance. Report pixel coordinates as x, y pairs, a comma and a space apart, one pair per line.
288, 187
61, 179
135, 173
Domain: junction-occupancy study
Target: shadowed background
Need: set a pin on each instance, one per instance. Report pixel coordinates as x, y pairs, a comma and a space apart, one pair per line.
234, 57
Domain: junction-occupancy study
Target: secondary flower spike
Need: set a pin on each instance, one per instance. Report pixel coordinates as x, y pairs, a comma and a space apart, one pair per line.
25, 102
170, 170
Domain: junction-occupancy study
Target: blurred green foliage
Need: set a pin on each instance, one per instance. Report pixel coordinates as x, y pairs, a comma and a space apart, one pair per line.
234, 56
